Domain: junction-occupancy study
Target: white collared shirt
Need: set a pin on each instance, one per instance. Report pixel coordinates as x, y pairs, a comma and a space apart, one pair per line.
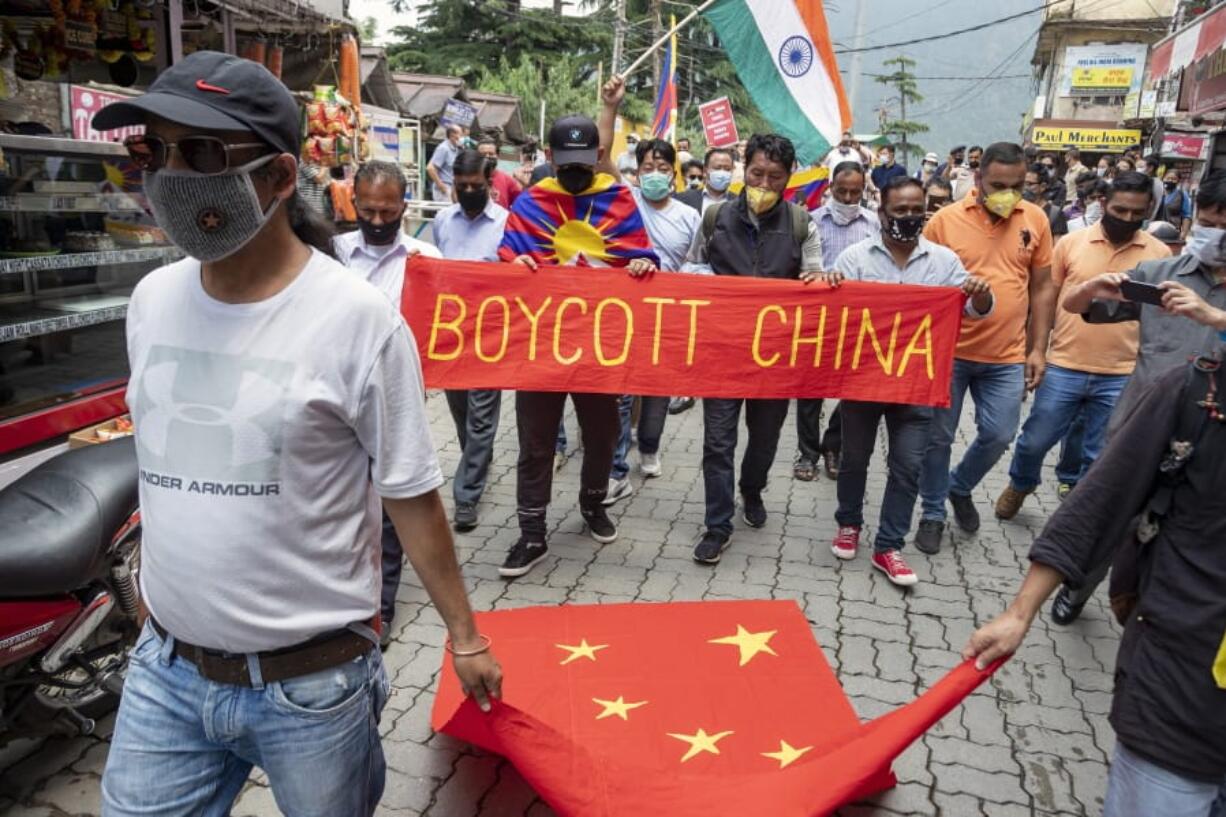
381, 266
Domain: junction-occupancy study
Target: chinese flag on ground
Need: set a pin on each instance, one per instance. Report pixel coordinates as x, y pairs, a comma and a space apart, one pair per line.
703, 708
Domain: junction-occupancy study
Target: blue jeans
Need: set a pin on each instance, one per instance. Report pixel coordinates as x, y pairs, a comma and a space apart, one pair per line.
997, 389
1138, 788
185, 745
652, 415
1063, 394
909, 428
1072, 465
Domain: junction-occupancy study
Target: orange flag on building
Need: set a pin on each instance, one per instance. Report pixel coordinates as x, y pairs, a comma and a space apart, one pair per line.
701, 708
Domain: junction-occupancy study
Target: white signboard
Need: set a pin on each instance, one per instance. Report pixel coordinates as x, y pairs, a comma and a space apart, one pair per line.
1103, 70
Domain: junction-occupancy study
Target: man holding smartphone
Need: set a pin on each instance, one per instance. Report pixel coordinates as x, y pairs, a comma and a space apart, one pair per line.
1088, 364
1190, 321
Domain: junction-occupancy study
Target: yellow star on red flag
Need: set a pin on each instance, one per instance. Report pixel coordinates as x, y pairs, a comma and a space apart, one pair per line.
750, 644
584, 650
621, 707
787, 754
700, 742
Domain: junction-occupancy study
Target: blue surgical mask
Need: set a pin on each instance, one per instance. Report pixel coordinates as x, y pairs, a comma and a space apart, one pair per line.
656, 186
719, 180
1208, 244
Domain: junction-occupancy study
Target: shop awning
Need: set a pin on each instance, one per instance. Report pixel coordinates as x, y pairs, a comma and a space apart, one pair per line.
1190, 44
378, 88
424, 94
498, 112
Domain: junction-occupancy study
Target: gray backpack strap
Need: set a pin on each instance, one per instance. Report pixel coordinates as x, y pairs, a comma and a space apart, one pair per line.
800, 222
708, 220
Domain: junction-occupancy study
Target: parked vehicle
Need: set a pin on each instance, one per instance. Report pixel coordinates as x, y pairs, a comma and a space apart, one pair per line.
69, 600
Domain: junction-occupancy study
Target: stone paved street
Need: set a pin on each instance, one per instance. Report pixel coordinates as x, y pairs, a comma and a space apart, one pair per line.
1034, 741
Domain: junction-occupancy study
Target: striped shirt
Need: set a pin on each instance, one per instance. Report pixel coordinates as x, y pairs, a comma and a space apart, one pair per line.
838, 237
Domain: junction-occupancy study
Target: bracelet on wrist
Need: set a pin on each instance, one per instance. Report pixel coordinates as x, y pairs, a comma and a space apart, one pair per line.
486, 643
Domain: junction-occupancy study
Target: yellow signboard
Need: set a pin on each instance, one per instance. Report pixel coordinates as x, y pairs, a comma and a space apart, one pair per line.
1102, 81
1107, 140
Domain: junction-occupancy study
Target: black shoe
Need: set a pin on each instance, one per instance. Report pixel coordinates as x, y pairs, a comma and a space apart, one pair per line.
928, 537
465, 516
385, 634
601, 527
523, 557
1063, 611
712, 546
680, 404
755, 511
965, 512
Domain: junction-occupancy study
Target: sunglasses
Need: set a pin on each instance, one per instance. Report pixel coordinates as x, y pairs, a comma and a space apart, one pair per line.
208, 155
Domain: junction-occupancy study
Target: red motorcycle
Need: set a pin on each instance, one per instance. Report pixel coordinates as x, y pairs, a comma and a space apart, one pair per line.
69, 603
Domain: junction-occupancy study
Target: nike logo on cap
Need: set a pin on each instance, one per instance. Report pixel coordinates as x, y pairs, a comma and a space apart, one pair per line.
204, 86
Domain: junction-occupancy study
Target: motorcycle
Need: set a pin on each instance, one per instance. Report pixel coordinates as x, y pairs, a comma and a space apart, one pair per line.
69, 601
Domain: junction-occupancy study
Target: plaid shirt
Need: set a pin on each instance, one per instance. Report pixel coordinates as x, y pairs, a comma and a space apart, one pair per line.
838, 237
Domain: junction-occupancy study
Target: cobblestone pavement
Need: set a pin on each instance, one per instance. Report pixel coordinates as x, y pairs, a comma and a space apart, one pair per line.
1035, 741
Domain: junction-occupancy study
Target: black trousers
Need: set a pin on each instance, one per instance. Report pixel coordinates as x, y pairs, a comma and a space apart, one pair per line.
393, 562
764, 420
811, 442
537, 415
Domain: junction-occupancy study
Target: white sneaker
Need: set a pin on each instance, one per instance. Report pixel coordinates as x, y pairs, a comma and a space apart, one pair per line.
619, 489
649, 464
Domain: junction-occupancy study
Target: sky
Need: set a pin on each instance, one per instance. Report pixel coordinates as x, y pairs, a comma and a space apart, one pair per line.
958, 111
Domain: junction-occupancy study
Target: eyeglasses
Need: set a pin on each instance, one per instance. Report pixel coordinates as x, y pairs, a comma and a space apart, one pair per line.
209, 155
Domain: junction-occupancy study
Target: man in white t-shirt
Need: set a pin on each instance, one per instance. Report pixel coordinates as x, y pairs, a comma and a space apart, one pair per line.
378, 250
845, 151
278, 398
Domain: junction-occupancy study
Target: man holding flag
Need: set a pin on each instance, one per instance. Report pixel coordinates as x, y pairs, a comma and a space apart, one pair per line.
577, 217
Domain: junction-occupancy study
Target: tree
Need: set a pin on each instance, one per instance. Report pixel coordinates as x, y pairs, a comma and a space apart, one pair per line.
368, 30
904, 82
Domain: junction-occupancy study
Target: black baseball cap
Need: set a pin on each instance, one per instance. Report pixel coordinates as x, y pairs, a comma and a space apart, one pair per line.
574, 140
214, 91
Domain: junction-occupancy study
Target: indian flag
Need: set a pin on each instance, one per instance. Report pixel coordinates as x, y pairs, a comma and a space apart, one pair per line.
783, 54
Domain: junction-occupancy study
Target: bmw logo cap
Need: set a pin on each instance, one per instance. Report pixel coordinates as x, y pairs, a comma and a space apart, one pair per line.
574, 140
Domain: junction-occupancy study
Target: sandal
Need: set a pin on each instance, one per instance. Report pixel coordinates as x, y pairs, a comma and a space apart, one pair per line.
805, 470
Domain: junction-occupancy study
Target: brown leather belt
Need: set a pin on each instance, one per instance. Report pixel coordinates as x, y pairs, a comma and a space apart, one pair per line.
316, 655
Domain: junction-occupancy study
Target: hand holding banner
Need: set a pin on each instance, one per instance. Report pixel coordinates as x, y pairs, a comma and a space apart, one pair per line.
594, 330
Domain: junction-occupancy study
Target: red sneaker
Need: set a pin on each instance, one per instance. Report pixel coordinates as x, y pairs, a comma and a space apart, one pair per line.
846, 542
892, 564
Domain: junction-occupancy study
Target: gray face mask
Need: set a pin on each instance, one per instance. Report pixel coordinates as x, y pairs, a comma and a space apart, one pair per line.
209, 217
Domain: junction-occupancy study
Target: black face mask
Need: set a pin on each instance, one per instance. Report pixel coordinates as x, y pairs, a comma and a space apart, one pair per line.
1118, 231
1170, 186
381, 234
575, 178
906, 229
974, 164
1030, 196
473, 202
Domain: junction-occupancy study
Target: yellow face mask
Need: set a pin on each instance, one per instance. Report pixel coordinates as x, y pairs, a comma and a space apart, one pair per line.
1002, 202
760, 200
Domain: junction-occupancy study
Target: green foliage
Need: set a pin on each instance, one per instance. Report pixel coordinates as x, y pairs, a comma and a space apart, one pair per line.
496, 45
904, 83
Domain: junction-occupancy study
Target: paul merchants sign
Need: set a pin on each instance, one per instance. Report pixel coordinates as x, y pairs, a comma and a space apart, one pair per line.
1108, 140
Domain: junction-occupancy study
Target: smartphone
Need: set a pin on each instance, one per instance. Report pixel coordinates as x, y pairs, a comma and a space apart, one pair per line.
1142, 293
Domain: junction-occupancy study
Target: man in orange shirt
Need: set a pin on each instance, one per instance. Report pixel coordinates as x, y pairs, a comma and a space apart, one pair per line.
1006, 241
1089, 363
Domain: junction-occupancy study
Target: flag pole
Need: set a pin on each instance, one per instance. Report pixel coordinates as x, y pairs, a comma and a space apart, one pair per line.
658, 44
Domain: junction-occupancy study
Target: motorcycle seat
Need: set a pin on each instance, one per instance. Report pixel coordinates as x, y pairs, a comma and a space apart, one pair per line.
57, 521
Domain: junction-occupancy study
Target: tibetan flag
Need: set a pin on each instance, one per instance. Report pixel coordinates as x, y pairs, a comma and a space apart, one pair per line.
784, 57
600, 227
683, 709
806, 187
664, 125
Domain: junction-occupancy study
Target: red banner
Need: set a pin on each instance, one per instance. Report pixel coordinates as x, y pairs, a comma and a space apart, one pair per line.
594, 330
685, 709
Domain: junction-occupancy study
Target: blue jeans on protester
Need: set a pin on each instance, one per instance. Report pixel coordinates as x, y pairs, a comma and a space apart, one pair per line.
185, 745
997, 389
909, 428
1138, 788
1062, 394
652, 415
1072, 465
